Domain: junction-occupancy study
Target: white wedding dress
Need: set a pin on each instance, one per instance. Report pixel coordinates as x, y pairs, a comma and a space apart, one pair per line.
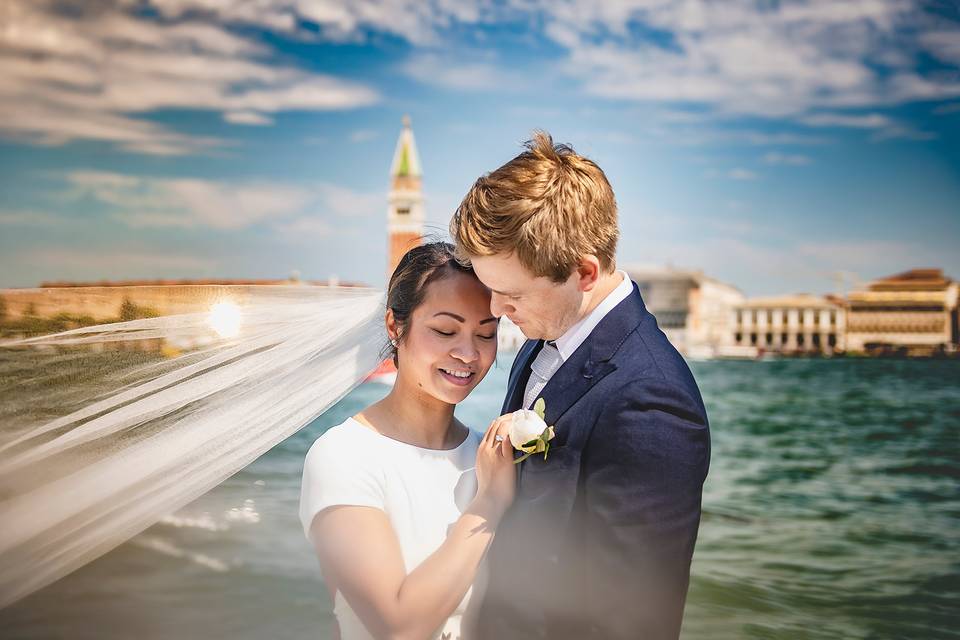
422, 491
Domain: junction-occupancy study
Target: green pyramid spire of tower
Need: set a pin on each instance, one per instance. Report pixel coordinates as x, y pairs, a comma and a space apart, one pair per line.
406, 162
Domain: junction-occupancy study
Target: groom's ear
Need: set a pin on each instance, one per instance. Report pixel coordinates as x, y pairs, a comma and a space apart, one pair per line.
588, 272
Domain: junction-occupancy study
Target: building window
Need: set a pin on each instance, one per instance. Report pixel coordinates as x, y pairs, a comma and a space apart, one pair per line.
832, 339
769, 317
816, 340
403, 211
833, 318
738, 337
783, 338
769, 339
753, 339
671, 319
801, 339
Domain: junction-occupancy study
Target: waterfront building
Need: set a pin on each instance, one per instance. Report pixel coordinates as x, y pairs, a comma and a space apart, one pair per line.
405, 214
60, 306
793, 324
692, 309
914, 312
104, 301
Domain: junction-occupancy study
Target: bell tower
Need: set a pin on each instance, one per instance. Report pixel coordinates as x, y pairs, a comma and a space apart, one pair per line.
405, 210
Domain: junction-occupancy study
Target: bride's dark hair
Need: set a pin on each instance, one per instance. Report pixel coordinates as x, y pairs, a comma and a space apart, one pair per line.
417, 270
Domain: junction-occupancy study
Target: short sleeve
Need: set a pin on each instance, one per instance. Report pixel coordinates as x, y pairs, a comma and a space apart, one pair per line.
333, 475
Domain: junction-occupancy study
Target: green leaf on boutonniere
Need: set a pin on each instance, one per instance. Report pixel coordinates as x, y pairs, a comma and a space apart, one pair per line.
523, 457
540, 408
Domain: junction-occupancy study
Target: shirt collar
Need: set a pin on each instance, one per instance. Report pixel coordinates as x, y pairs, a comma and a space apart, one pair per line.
568, 343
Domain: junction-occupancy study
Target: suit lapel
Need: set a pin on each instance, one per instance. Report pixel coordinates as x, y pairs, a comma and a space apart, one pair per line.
570, 383
520, 375
591, 362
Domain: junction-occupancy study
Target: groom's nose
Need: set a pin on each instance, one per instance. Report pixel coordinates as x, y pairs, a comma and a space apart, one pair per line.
497, 306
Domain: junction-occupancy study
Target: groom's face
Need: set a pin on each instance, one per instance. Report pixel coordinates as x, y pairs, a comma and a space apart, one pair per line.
540, 307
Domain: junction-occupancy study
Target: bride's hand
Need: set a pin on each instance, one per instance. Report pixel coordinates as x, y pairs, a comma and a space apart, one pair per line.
496, 472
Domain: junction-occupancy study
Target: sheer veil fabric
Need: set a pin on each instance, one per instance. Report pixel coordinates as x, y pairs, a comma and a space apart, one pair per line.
100, 437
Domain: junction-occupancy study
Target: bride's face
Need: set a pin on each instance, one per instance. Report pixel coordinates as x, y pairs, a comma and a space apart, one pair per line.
451, 339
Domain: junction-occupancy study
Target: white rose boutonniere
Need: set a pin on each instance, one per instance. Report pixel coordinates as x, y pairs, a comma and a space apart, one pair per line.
529, 433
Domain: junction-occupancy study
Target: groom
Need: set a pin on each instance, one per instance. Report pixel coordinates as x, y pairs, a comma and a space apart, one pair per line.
599, 540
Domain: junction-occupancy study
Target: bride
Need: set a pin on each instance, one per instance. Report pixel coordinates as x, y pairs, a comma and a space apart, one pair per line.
402, 500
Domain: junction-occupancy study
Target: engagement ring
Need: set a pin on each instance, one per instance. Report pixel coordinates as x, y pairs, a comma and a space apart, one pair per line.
498, 438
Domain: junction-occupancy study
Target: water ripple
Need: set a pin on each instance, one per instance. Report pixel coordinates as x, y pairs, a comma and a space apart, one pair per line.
832, 506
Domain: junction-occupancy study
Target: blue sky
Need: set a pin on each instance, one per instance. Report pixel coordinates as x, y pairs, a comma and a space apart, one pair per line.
771, 144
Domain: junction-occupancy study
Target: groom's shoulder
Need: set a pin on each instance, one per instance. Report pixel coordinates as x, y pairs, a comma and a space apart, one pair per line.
646, 352
632, 339
652, 400
649, 365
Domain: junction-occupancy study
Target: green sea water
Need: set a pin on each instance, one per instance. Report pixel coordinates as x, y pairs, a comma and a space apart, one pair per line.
832, 510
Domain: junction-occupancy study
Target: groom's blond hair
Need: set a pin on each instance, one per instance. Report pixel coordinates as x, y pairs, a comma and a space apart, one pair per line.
548, 206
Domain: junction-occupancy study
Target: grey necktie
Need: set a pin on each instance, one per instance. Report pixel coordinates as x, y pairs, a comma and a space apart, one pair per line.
541, 370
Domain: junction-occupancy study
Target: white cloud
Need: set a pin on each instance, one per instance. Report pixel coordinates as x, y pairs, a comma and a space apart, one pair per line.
944, 44
89, 76
442, 71
739, 173
247, 117
859, 121
697, 135
902, 132
864, 255
346, 202
188, 203
742, 57
363, 135
306, 229
98, 261
54, 124
23, 218
417, 21
792, 159
93, 75
886, 128
736, 173
760, 138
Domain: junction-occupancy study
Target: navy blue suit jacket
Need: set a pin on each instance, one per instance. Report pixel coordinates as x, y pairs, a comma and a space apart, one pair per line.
599, 540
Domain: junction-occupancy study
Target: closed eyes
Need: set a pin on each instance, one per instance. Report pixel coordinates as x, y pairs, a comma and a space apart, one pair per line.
447, 334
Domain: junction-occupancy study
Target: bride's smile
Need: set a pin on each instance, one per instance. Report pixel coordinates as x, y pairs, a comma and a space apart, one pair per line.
450, 340
457, 376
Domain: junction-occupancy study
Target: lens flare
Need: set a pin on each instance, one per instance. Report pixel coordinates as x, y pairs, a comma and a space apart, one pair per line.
225, 318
